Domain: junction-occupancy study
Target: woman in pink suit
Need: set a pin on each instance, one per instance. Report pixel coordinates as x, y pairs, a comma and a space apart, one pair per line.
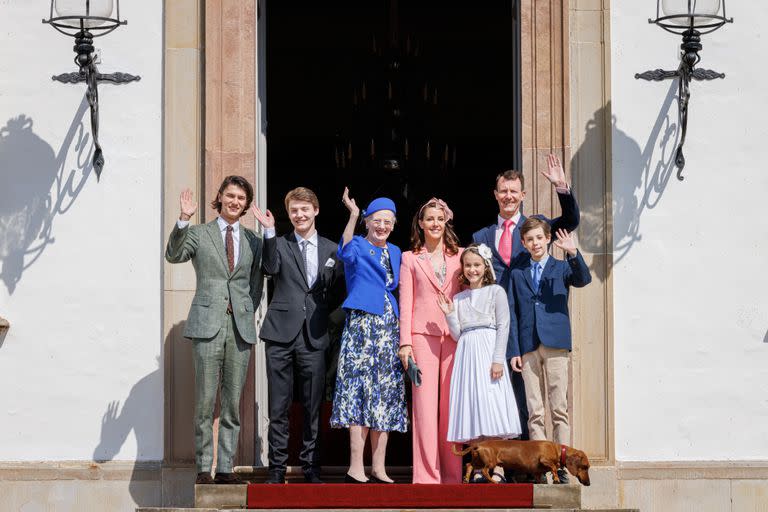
429, 269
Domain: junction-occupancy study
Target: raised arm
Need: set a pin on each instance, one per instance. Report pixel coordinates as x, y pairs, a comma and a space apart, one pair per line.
270, 261
578, 274
182, 244
449, 309
354, 214
570, 217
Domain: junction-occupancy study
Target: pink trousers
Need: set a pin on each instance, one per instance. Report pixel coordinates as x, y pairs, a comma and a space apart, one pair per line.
433, 460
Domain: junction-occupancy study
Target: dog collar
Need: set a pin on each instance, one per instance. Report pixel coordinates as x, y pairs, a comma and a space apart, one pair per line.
562, 455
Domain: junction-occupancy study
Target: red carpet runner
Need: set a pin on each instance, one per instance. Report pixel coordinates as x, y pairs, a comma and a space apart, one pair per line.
390, 496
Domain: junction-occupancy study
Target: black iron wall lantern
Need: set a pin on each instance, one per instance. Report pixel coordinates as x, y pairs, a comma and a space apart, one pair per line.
691, 19
84, 20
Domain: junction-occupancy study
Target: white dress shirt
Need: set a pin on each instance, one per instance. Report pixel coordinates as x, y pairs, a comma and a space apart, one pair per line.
223, 228
311, 256
312, 262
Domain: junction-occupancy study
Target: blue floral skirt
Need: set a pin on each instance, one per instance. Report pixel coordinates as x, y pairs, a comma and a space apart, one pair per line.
370, 390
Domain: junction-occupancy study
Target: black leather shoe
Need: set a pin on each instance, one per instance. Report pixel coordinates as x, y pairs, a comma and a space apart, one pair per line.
275, 476
312, 476
563, 476
349, 479
227, 479
203, 479
376, 480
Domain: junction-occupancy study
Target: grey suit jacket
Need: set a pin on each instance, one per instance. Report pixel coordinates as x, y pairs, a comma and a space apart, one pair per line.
294, 303
215, 285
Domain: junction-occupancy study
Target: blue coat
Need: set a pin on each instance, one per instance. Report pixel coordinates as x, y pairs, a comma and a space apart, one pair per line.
542, 315
366, 278
569, 221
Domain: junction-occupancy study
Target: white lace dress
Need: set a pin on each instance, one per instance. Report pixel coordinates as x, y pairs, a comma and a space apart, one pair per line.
480, 406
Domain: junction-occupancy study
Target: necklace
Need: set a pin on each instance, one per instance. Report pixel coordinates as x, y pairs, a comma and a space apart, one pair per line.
439, 267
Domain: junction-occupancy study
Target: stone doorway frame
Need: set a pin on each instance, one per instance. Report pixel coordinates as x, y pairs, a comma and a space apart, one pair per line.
214, 125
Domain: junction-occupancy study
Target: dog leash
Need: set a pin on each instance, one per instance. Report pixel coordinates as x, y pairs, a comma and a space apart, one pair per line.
562, 455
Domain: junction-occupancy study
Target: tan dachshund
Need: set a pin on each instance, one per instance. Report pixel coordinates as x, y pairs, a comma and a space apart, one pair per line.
534, 457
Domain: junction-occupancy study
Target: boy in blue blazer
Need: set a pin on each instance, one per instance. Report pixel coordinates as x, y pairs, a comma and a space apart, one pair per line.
541, 288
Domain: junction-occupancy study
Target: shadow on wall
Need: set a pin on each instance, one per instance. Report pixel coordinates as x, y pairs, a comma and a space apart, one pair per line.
640, 177
35, 187
118, 422
178, 439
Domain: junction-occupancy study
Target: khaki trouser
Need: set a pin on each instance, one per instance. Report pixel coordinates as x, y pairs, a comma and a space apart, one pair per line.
552, 362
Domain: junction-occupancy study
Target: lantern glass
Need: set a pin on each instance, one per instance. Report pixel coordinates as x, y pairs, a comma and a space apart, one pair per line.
82, 8
685, 9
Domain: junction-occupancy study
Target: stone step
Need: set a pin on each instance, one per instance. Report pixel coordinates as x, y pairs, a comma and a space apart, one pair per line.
235, 496
171, 509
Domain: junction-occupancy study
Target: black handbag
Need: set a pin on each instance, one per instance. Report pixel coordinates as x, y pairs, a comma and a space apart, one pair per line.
413, 371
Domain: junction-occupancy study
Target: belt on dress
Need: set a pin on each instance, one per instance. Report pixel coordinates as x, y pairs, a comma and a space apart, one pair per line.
470, 329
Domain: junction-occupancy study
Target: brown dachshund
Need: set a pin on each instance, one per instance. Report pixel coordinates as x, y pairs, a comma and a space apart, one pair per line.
534, 457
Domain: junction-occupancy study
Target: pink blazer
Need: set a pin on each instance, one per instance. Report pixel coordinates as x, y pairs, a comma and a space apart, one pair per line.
419, 288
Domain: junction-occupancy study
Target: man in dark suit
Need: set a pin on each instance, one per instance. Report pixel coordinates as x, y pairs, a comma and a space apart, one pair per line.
306, 276
503, 237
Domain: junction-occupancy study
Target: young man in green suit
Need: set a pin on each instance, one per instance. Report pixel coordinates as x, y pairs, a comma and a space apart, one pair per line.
221, 323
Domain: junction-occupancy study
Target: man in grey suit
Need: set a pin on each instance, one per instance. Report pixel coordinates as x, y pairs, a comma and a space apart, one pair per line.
307, 278
221, 323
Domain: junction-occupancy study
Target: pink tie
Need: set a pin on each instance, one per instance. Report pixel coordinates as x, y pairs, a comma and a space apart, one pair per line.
505, 242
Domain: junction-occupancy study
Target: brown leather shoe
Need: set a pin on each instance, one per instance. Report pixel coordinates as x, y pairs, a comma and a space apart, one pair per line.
227, 479
203, 478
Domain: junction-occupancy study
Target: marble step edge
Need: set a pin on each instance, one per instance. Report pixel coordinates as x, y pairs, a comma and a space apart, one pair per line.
548, 509
235, 496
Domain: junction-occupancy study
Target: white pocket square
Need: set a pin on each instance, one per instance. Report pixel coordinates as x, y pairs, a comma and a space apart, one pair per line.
330, 263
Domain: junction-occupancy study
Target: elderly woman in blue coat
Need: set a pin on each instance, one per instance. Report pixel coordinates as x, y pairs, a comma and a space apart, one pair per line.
370, 390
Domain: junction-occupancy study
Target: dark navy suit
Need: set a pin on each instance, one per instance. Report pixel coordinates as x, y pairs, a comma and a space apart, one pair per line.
542, 315
569, 220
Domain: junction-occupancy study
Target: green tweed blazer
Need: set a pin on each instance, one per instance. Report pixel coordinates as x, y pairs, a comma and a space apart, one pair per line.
216, 287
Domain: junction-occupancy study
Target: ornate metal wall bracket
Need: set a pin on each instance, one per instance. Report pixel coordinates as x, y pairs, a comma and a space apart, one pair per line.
115, 78
90, 75
684, 73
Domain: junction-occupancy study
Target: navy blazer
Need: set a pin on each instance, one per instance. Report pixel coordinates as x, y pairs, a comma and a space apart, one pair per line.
542, 315
569, 220
366, 278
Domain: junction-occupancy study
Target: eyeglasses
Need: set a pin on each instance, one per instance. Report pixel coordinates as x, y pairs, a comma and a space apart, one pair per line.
380, 222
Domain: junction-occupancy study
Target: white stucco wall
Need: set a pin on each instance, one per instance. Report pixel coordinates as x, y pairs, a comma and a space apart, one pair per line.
690, 278
80, 373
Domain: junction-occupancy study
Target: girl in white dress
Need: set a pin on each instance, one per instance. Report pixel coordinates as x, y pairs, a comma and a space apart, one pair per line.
482, 401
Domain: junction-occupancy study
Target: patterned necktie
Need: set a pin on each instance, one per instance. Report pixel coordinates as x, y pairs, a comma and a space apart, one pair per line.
303, 245
230, 249
536, 275
505, 242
